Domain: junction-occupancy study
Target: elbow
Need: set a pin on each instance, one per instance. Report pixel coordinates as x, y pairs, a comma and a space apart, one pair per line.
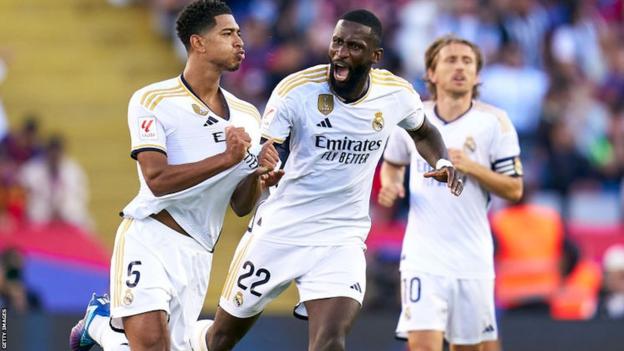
515, 195
156, 187
240, 210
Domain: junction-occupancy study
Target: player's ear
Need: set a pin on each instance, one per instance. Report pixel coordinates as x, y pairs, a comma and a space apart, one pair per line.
377, 55
197, 43
430, 75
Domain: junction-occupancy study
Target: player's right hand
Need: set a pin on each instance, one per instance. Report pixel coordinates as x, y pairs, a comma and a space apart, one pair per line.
237, 141
389, 193
267, 158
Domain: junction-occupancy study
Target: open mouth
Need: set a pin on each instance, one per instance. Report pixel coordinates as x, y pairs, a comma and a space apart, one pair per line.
341, 72
459, 78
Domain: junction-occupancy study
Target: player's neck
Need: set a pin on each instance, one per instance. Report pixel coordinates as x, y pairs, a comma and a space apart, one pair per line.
203, 80
351, 93
449, 108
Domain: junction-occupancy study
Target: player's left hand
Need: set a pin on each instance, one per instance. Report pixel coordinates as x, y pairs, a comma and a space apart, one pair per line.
449, 175
270, 179
460, 160
267, 158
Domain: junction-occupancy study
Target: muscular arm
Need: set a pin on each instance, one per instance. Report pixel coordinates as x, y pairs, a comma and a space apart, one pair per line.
246, 195
249, 189
507, 187
163, 178
429, 143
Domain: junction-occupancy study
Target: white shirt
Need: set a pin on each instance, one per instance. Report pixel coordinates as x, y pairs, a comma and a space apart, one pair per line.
323, 198
168, 117
450, 235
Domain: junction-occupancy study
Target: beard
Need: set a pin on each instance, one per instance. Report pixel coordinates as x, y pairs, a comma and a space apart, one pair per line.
357, 74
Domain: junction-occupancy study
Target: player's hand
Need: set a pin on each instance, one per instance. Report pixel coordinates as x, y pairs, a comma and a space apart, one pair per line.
270, 179
389, 193
267, 158
460, 160
449, 175
237, 141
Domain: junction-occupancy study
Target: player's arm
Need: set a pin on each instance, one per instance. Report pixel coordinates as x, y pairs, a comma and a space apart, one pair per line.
430, 146
507, 186
249, 189
163, 178
392, 176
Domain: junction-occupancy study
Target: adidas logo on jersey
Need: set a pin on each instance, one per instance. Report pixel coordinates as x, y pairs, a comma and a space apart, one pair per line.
210, 121
324, 123
356, 287
488, 329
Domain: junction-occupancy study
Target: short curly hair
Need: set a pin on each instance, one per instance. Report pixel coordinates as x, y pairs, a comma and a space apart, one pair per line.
199, 16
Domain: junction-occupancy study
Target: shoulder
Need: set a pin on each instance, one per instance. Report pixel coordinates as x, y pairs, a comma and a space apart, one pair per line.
242, 106
496, 114
313, 75
388, 80
150, 95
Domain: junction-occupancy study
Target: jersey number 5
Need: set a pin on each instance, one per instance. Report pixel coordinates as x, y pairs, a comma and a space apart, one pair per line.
261, 273
133, 274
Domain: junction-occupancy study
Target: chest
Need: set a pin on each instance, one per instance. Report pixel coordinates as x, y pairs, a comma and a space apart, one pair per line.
325, 115
194, 133
472, 136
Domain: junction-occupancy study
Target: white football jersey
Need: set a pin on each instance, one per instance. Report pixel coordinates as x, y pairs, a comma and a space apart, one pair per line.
323, 198
168, 117
449, 235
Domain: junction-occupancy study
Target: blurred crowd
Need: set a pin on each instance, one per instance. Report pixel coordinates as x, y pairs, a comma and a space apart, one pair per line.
39, 183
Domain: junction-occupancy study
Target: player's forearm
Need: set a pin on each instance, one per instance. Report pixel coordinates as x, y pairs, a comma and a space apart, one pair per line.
429, 143
174, 178
391, 173
246, 195
509, 188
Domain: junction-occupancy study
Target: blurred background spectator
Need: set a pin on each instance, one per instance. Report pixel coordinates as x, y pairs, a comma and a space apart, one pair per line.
14, 293
56, 187
611, 305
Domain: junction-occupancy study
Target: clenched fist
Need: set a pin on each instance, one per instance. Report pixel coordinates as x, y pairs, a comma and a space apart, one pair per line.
237, 141
389, 193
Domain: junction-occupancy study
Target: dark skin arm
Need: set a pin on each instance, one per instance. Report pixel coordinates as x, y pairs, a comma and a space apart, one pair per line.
431, 147
163, 178
249, 189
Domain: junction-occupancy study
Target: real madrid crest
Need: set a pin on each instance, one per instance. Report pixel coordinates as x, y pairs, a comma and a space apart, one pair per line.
238, 299
378, 121
325, 103
128, 297
199, 110
470, 144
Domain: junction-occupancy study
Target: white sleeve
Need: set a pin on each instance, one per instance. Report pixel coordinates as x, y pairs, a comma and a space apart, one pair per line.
399, 147
146, 131
505, 150
277, 119
412, 107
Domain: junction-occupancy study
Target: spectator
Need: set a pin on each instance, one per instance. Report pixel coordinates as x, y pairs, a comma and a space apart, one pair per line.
13, 292
56, 187
523, 99
611, 304
26, 142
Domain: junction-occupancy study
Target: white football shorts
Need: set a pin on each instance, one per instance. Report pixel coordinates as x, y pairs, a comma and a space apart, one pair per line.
261, 270
461, 308
156, 268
